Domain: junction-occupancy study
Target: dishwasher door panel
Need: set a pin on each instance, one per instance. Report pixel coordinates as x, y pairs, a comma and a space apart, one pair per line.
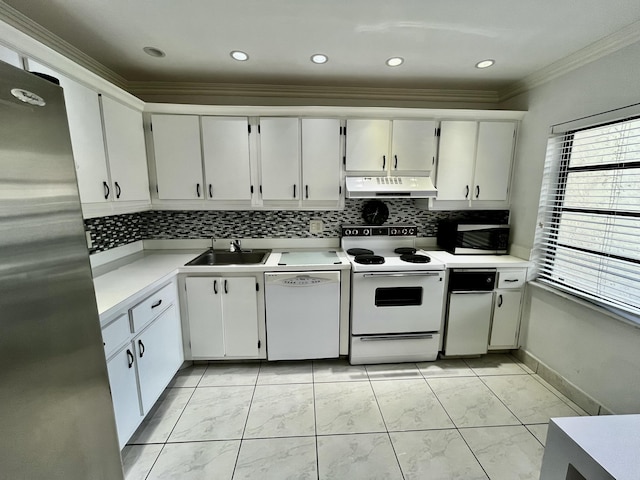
303, 315
468, 323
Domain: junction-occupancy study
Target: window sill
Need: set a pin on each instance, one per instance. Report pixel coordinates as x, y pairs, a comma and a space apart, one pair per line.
585, 303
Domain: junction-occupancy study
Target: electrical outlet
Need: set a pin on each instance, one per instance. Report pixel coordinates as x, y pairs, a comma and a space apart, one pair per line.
89, 242
315, 226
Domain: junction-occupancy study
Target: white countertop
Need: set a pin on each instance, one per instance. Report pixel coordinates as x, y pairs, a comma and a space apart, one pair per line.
478, 261
146, 270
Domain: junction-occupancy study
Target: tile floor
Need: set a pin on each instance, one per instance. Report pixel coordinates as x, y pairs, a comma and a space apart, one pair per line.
451, 419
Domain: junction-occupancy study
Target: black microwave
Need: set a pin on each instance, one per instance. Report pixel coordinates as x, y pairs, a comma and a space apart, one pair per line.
462, 238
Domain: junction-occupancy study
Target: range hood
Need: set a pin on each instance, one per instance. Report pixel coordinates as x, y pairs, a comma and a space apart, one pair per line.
390, 187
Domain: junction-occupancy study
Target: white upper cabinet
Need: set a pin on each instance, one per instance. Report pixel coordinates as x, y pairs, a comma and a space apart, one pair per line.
178, 158
474, 161
124, 136
320, 159
493, 160
225, 144
9, 56
87, 141
367, 148
455, 159
412, 146
280, 158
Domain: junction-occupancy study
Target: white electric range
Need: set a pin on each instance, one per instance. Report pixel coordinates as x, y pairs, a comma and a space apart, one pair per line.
397, 295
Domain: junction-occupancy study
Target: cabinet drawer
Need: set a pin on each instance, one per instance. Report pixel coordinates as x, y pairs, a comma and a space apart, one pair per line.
511, 278
153, 306
115, 334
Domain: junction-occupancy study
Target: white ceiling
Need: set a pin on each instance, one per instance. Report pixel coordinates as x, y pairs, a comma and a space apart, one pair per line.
440, 40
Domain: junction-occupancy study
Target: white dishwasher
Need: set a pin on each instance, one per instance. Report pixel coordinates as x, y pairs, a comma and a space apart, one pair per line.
303, 315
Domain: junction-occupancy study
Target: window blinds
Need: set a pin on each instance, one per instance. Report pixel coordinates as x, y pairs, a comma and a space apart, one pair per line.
588, 237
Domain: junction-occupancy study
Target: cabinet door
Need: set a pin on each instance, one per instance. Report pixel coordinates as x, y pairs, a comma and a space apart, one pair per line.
468, 323
367, 145
506, 319
9, 56
321, 159
240, 313
87, 141
225, 144
204, 306
124, 136
176, 142
456, 159
413, 146
124, 393
159, 355
493, 160
280, 158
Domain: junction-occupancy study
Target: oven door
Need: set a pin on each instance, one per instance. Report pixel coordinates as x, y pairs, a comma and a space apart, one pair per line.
397, 302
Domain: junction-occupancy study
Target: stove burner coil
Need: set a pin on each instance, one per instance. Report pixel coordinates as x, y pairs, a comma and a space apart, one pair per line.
405, 251
369, 259
415, 258
359, 251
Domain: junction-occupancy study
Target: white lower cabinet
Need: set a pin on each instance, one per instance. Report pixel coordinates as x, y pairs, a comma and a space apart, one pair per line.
468, 323
223, 317
144, 362
506, 319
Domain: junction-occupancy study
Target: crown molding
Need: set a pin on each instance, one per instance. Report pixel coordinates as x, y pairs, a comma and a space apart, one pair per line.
21, 22
316, 92
598, 49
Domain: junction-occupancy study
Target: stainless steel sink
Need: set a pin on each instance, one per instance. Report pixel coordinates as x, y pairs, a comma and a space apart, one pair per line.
224, 257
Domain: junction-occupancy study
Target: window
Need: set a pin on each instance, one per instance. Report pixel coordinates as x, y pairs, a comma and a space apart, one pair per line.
588, 237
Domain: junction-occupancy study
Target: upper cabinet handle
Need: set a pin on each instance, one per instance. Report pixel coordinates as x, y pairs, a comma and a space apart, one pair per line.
210, 191
118, 190
157, 304
477, 191
294, 191
306, 193
384, 161
106, 190
466, 195
198, 189
396, 161
130, 358
141, 347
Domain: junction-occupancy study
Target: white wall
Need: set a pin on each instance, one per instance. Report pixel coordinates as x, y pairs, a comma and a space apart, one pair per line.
597, 354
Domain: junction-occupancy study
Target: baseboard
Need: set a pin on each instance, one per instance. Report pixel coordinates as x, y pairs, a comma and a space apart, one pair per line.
564, 386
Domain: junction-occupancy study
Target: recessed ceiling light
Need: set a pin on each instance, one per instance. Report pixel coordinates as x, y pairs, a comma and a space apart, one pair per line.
395, 61
485, 63
154, 52
319, 58
238, 55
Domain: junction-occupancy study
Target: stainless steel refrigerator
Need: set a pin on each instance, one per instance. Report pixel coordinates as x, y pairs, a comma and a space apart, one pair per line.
56, 416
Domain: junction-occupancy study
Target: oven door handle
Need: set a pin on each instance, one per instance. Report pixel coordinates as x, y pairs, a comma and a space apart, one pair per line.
408, 274
377, 338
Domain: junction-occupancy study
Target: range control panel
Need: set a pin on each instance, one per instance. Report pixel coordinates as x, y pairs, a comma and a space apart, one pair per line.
375, 231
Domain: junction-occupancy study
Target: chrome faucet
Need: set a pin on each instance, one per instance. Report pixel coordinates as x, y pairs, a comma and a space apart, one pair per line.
235, 246
213, 239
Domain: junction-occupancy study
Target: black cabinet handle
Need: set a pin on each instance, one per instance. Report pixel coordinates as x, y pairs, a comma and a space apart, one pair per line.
499, 301
141, 347
215, 287
466, 195
226, 290
477, 191
198, 189
157, 304
294, 191
510, 280
306, 193
384, 161
118, 190
210, 191
130, 358
106, 190
396, 161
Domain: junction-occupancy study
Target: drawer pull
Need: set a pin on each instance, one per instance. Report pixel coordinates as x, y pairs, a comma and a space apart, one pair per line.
510, 280
141, 347
157, 304
129, 358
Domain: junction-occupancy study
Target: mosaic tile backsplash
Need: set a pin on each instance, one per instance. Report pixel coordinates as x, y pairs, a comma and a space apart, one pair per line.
117, 230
